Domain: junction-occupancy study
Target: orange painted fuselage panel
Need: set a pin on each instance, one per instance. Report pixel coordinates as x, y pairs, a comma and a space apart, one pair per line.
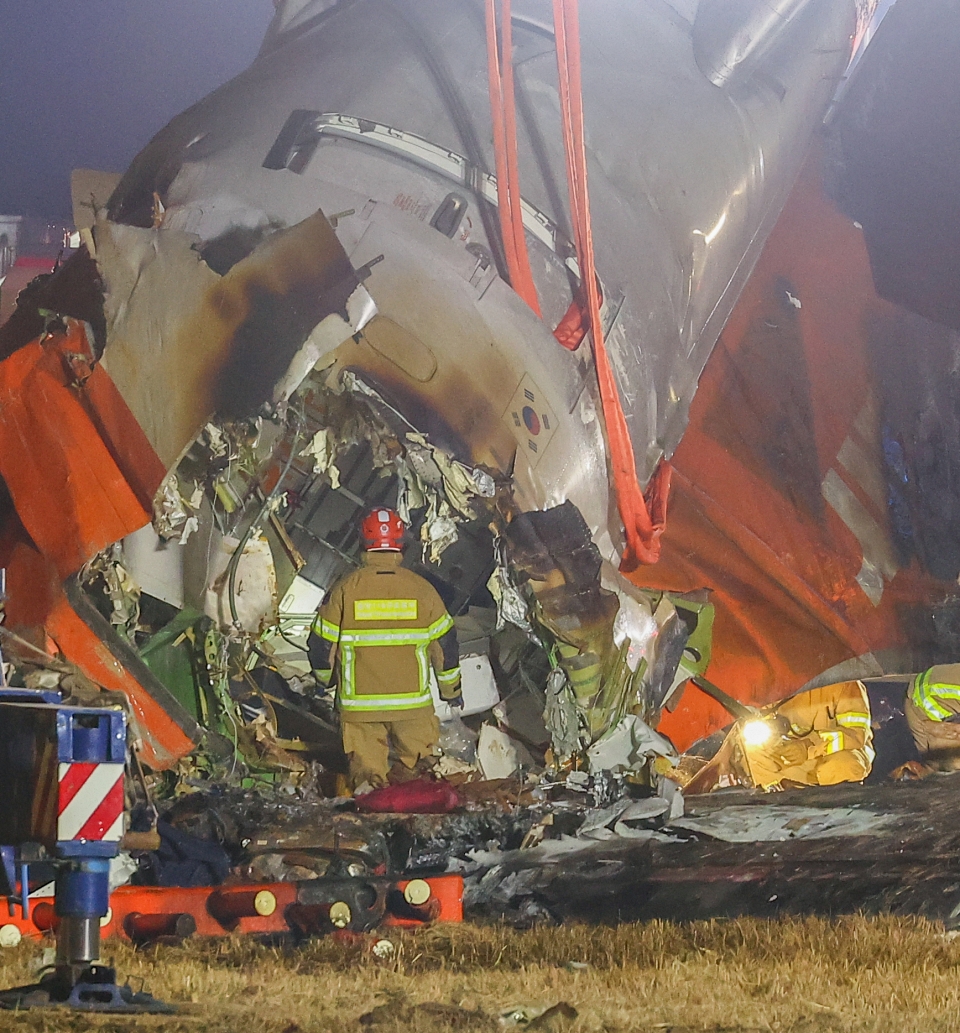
778, 503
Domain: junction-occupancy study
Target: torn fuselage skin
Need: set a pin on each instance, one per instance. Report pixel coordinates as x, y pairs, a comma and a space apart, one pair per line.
445, 409
226, 280
255, 500
298, 488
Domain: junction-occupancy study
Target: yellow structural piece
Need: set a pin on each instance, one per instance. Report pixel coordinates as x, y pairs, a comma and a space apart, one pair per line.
417, 892
264, 903
340, 914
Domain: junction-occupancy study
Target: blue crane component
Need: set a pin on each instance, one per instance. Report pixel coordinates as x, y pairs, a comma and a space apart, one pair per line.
63, 770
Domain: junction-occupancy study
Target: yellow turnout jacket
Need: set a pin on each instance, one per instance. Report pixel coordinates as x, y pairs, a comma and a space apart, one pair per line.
378, 634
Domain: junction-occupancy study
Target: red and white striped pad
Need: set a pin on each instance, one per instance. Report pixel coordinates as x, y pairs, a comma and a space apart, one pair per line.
90, 805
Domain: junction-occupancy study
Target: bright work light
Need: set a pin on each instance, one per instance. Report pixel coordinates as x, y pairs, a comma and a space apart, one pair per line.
756, 732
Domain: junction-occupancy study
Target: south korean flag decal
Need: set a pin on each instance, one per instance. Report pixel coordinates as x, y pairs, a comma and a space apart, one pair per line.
531, 419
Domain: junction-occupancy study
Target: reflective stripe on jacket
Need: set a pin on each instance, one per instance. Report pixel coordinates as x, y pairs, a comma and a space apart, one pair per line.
936, 693
382, 628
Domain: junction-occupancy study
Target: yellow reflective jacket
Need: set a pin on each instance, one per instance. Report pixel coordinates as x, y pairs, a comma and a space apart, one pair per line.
937, 692
381, 629
833, 724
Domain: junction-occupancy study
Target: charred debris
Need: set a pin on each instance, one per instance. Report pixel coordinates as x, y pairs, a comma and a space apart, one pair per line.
566, 664
562, 673
553, 793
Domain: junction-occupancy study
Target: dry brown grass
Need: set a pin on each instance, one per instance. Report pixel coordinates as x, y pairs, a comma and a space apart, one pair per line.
790, 976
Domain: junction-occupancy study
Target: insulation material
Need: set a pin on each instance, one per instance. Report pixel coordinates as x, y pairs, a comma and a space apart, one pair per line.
458, 743
628, 819
432, 479
561, 716
439, 530
458, 481
255, 587
497, 753
637, 820
172, 514
109, 571
777, 824
669, 790
412, 495
511, 608
627, 746
322, 448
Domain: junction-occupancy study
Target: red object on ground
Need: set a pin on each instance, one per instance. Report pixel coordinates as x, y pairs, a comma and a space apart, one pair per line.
41, 265
422, 796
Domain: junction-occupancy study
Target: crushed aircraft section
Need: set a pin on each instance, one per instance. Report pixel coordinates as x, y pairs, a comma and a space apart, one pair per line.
202, 508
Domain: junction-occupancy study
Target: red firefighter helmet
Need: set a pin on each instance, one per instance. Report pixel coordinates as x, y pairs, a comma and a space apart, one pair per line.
382, 530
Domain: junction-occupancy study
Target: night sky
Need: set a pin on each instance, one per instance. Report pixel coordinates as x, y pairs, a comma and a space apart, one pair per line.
86, 83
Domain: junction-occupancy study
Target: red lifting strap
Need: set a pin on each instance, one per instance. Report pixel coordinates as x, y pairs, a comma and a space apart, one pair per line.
504, 111
643, 518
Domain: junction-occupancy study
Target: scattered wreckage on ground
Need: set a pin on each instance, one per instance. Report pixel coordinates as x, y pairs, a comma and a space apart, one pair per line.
504, 826
278, 320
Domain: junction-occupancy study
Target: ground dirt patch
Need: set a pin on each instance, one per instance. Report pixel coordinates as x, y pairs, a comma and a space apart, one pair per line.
790, 976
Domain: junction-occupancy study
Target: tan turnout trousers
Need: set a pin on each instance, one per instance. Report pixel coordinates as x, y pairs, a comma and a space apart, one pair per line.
367, 744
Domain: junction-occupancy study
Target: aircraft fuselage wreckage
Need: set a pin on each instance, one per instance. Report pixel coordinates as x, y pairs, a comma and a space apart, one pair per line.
395, 261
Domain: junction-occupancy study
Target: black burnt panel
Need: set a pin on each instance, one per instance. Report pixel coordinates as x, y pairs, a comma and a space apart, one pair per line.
763, 414
899, 147
916, 371
73, 289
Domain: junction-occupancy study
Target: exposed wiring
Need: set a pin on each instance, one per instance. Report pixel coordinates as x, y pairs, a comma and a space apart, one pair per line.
136, 769
267, 502
290, 642
227, 705
56, 664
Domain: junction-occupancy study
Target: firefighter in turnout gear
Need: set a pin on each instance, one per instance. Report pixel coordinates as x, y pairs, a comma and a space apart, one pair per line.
376, 637
816, 737
933, 714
